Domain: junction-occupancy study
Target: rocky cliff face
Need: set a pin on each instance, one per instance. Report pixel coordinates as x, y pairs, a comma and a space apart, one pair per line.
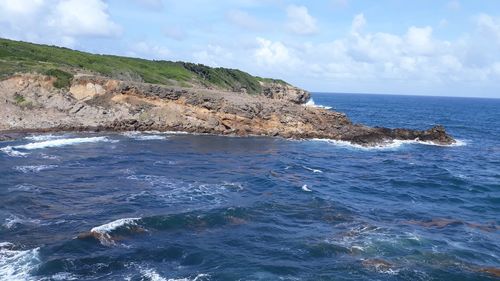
32, 103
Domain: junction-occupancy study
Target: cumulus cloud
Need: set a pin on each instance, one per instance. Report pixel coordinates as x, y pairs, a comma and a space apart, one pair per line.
56, 21
76, 17
272, 53
174, 32
300, 21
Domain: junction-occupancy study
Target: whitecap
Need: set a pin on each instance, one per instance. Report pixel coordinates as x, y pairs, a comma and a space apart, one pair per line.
43, 137
14, 150
144, 135
13, 221
388, 145
306, 188
9, 150
17, 264
311, 103
315, 171
25, 187
152, 275
103, 232
34, 168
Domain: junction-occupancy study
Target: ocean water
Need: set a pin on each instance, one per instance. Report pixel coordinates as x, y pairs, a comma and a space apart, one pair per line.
164, 206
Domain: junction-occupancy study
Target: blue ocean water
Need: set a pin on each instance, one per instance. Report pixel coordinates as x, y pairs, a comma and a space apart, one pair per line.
159, 206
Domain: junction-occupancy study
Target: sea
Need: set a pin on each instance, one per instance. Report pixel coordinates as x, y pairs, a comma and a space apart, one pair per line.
186, 207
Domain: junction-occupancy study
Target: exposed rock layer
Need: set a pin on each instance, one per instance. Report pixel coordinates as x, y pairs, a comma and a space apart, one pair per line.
31, 103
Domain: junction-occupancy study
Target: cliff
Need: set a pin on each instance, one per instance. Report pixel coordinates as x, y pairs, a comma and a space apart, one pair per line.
57, 95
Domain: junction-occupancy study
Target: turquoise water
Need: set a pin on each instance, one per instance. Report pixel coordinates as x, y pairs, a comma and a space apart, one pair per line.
153, 206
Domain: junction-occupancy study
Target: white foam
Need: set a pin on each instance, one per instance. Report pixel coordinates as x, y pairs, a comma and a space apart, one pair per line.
305, 188
389, 145
315, 171
11, 152
34, 169
13, 221
14, 150
104, 230
16, 264
43, 137
144, 136
311, 103
155, 276
108, 227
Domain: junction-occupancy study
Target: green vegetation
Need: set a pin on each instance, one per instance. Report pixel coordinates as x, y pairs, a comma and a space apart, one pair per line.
22, 102
62, 63
63, 77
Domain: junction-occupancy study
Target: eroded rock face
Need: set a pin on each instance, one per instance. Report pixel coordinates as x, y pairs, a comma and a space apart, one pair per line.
30, 102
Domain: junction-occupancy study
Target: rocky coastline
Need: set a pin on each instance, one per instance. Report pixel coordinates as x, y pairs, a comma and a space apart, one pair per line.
30, 103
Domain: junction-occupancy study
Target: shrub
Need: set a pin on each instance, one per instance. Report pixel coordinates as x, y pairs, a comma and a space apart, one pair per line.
63, 78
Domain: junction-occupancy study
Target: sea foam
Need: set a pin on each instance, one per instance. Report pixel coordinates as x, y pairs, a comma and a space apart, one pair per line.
389, 145
14, 150
103, 232
311, 103
17, 264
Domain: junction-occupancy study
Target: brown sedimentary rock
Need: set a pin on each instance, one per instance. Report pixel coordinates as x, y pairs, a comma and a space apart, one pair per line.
98, 103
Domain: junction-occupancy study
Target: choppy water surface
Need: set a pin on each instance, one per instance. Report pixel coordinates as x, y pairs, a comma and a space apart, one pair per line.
153, 206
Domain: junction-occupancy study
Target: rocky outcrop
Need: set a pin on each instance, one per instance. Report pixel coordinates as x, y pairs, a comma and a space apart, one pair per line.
282, 91
30, 102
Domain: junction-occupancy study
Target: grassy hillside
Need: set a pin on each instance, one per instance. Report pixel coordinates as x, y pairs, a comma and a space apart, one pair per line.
60, 62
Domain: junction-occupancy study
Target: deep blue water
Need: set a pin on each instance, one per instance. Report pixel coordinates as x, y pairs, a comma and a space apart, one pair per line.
198, 207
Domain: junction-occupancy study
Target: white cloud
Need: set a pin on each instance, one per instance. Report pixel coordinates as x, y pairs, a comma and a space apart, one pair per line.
300, 21
273, 53
419, 40
58, 22
90, 17
358, 23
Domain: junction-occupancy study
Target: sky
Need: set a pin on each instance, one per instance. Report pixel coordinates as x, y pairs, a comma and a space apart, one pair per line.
424, 47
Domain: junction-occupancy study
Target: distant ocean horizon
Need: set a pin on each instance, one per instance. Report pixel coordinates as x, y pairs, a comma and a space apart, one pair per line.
175, 206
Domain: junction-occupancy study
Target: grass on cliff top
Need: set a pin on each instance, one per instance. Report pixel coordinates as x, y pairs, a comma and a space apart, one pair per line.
20, 57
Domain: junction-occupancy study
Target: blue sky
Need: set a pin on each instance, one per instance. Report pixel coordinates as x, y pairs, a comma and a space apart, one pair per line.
425, 47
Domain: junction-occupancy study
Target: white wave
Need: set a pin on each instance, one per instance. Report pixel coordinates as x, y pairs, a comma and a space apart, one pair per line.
144, 136
152, 275
24, 187
109, 227
34, 169
11, 152
311, 103
103, 232
388, 145
13, 221
14, 150
305, 188
177, 191
44, 137
62, 276
315, 171
17, 264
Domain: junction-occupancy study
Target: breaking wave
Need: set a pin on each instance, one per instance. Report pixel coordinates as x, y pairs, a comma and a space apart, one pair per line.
389, 145
104, 232
34, 169
145, 135
311, 103
17, 264
15, 150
